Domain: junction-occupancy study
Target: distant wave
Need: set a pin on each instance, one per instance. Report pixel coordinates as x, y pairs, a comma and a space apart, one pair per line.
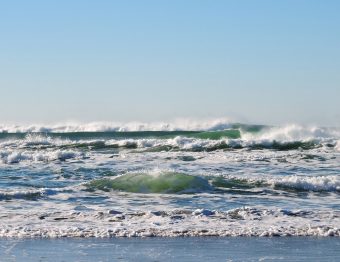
259, 133
293, 132
45, 147
176, 125
50, 147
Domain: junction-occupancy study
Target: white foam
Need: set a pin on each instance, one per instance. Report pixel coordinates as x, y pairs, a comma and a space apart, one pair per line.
244, 221
265, 138
317, 183
189, 143
291, 133
337, 147
16, 156
298, 182
29, 193
34, 140
176, 125
180, 142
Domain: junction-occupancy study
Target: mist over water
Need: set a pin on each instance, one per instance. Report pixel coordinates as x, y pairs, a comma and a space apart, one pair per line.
182, 178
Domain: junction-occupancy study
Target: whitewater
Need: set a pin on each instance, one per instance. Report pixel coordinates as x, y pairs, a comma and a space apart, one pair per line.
183, 178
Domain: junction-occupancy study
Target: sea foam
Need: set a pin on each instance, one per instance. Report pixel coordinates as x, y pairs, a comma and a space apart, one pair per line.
291, 133
284, 182
223, 180
245, 221
179, 124
11, 157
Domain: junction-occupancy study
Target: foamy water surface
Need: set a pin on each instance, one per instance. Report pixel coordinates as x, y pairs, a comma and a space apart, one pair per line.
179, 179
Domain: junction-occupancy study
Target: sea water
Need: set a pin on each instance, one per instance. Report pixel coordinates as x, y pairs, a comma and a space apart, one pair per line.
194, 179
234, 249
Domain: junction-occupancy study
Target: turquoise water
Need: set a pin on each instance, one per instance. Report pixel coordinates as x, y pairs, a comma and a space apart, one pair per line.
225, 180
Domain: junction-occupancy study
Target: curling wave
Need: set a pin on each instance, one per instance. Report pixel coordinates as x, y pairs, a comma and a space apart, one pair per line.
153, 182
157, 181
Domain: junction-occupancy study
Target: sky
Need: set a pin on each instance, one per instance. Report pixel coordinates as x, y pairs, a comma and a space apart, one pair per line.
268, 62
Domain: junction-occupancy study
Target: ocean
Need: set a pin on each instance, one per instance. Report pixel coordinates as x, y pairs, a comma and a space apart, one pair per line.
169, 180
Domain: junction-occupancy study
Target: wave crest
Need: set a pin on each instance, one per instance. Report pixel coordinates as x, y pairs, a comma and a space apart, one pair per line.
152, 182
176, 125
12, 157
291, 133
329, 183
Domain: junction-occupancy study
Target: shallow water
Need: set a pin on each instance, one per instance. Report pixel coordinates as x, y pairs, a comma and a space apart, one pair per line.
172, 249
234, 180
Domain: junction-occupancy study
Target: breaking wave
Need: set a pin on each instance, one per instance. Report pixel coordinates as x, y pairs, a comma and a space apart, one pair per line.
196, 137
184, 178
11, 157
329, 183
191, 142
177, 125
153, 182
291, 132
177, 183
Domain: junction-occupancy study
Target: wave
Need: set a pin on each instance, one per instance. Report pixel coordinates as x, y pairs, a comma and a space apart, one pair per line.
152, 182
176, 125
189, 142
245, 137
329, 183
31, 194
170, 182
318, 183
16, 152
292, 133
12, 157
204, 129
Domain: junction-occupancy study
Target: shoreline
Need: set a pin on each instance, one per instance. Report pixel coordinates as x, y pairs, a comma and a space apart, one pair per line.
172, 249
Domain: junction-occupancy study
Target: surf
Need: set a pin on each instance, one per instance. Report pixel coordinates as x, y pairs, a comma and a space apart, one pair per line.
162, 182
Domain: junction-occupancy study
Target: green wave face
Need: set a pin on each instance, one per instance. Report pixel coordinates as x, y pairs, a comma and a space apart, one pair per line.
220, 182
232, 133
167, 182
249, 128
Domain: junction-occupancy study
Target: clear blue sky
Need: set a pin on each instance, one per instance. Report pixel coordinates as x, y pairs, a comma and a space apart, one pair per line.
257, 61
